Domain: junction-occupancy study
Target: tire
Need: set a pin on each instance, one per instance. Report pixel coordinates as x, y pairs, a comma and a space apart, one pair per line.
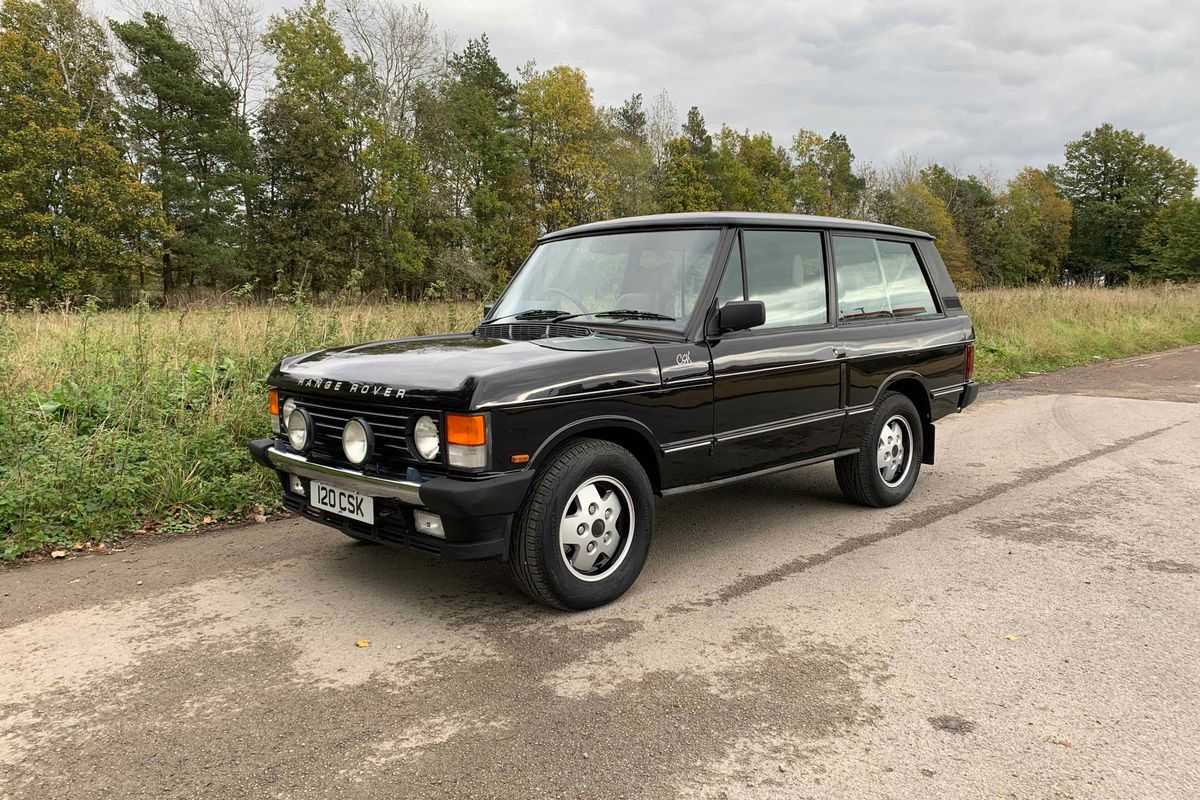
879, 475
597, 487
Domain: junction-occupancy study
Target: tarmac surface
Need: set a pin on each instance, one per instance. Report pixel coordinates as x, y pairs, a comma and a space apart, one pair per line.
1026, 625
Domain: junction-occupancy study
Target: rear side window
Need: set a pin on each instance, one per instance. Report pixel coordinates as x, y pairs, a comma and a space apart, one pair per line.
879, 279
786, 270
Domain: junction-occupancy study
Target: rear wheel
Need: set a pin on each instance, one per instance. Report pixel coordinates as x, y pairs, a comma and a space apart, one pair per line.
885, 468
583, 533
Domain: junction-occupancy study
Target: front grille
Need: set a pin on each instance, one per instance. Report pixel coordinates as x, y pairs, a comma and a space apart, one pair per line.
390, 426
525, 330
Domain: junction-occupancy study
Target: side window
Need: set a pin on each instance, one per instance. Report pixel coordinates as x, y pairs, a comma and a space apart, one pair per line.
879, 279
907, 287
730, 287
786, 270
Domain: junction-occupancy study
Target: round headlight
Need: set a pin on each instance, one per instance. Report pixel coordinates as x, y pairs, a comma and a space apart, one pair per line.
299, 428
426, 438
357, 441
289, 406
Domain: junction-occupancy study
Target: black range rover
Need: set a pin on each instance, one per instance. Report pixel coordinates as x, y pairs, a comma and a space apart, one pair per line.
627, 359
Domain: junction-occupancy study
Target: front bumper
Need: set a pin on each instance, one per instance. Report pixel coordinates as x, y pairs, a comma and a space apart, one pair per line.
476, 513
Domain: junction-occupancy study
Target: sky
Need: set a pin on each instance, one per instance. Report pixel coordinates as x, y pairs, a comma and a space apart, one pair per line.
975, 84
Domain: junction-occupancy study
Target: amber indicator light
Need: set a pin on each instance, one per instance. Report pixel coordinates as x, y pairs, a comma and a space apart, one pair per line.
273, 400
466, 430
522, 458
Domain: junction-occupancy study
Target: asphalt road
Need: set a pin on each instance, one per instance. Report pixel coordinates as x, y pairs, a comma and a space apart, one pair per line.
1027, 625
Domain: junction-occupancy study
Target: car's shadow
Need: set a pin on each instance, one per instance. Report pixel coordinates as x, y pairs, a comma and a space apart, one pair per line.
691, 531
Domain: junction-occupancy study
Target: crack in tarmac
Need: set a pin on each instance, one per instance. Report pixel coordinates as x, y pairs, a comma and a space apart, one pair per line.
752, 583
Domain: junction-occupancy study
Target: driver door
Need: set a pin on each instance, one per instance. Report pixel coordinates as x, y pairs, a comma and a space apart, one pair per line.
777, 388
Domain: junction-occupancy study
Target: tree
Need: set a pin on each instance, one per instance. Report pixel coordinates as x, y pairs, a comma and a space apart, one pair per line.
825, 179
192, 148
1116, 182
313, 228
974, 209
911, 204
74, 219
481, 206
400, 48
751, 173
1170, 243
565, 141
1033, 229
634, 169
685, 184
77, 46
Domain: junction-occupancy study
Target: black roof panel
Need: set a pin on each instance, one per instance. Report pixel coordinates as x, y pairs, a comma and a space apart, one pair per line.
747, 218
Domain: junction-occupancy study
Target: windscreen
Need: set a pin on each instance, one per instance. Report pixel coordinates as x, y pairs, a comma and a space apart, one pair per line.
659, 273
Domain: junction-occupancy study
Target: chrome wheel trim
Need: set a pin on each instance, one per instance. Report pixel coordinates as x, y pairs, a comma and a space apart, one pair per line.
893, 455
598, 516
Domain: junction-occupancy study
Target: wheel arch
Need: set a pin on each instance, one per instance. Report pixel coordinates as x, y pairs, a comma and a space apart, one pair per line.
634, 436
912, 385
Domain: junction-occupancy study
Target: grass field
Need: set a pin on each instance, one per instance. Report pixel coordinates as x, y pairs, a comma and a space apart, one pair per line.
121, 421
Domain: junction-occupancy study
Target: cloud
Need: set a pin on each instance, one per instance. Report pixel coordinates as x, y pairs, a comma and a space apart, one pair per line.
977, 85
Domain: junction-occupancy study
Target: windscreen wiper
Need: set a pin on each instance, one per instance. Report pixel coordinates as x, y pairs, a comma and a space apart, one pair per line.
620, 313
531, 313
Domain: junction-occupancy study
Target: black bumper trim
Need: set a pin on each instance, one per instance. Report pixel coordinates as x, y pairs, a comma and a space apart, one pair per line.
969, 395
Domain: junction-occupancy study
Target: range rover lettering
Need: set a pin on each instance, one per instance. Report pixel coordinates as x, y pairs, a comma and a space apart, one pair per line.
626, 360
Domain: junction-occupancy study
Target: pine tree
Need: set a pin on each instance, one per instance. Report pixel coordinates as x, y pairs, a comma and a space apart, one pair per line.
191, 147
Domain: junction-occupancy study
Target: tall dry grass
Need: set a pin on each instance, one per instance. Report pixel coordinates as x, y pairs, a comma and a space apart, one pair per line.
1042, 329
114, 421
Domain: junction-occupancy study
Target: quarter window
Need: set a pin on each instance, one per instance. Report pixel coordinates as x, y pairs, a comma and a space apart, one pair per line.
879, 279
786, 270
732, 287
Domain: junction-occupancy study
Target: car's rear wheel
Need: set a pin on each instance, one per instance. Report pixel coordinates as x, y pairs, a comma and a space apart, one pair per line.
885, 468
583, 533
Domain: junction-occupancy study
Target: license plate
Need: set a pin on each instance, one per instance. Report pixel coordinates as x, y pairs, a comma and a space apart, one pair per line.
342, 501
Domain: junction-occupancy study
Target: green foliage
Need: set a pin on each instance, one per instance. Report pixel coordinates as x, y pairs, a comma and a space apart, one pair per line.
74, 219
1117, 182
380, 163
191, 148
1171, 243
112, 422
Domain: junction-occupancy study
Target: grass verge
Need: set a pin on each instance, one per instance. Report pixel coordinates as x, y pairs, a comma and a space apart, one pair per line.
120, 421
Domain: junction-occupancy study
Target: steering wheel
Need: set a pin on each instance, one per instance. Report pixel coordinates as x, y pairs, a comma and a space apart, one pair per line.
567, 296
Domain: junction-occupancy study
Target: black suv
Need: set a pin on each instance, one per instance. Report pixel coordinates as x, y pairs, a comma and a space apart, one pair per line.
628, 359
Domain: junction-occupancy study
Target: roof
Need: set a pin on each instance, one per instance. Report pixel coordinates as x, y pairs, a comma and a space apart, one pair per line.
748, 218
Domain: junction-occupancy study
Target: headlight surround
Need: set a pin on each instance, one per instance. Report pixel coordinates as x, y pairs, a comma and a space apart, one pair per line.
299, 428
427, 438
358, 441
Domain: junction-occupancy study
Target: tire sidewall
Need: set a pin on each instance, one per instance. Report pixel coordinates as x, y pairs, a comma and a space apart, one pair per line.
895, 404
583, 465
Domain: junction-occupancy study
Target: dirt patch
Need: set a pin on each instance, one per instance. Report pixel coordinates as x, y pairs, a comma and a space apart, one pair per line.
202, 714
951, 723
1173, 567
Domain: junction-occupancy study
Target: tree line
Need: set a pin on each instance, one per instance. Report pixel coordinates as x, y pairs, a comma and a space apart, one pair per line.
202, 146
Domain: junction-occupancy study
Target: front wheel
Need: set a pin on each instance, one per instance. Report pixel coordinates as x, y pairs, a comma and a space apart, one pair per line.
885, 468
583, 533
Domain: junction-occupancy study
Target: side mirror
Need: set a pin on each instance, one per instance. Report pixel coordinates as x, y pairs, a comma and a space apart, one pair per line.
740, 315
487, 310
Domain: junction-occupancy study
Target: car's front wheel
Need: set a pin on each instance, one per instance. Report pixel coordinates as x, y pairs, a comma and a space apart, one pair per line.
583, 533
885, 468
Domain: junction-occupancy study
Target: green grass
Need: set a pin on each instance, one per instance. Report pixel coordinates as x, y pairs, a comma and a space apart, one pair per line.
120, 421
1020, 331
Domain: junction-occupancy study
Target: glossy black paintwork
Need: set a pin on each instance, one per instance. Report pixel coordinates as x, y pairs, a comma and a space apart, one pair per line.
695, 408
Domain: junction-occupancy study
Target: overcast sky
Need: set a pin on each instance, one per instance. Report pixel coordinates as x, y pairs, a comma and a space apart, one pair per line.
971, 84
